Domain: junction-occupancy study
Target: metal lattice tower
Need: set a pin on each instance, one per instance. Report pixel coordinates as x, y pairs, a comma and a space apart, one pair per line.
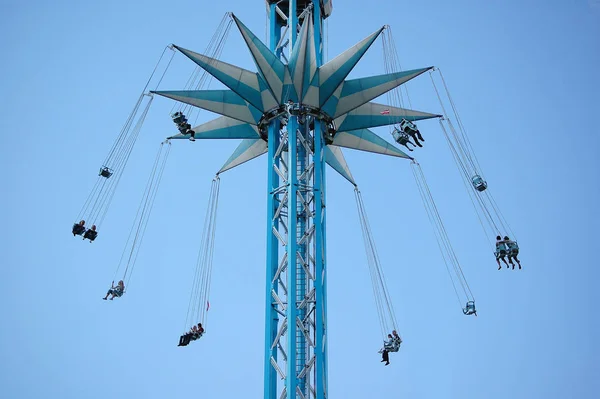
296, 327
299, 112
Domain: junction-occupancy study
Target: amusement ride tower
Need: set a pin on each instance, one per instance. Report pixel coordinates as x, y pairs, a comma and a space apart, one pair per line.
299, 111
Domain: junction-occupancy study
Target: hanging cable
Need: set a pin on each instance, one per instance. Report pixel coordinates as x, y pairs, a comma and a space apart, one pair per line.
391, 63
485, 205
199, 301
383, 302
459, 282
130, 253
459, 121
403, 130
98, 201
122, 144
199, 78
480, 207
96, 205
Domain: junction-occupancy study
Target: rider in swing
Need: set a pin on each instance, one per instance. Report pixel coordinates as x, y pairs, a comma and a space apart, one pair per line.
117, 291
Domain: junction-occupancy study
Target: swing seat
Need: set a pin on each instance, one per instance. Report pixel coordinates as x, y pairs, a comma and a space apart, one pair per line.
396, 345
470, 308
105, 172
479, 183
400, 137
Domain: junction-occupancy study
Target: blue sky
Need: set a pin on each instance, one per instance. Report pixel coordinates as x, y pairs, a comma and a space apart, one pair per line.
523, 75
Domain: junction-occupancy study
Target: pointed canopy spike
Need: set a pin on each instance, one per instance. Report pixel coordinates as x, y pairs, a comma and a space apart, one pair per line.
310, 61
333, 73
297, 63
222, 102
335, 158
247, 150
271, 68
357, 92
373, 115
367, 140
243, 82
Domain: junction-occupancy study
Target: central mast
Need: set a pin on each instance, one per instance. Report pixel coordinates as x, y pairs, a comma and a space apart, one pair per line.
296, 328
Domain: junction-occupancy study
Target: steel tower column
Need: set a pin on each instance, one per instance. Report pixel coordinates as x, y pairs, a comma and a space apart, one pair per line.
320, 243
271, 316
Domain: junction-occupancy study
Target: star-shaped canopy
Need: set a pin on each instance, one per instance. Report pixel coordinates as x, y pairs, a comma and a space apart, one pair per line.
252, 94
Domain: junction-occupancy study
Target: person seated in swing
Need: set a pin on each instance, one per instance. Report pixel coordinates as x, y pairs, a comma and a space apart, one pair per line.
91, 234
185, 339
501, 251
79, 228
190, 336
396, 340
184, 127
412, 130
178, 118
469, 309
513, 251
195, 333
402, 138
117, 291
385, 351
105, 172
199, 332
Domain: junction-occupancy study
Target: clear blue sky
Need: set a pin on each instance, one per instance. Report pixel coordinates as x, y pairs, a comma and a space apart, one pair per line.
524, 76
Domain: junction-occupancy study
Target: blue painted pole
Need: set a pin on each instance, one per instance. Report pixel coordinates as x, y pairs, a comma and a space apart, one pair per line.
320, 266
271, 316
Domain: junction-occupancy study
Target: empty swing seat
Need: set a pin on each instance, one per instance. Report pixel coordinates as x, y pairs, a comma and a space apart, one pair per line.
479, 183
400, 136
105, 172
470, 308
